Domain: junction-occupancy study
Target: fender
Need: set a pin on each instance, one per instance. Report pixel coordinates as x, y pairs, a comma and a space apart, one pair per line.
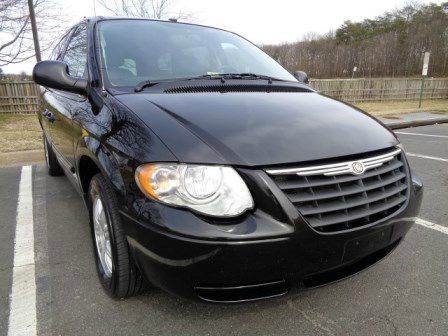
90, 147
116, 139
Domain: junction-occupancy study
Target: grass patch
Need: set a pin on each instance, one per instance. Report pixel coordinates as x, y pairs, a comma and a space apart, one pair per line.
383, 109
19, 132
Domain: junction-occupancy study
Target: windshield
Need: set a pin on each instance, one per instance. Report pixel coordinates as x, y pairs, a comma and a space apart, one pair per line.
137, 50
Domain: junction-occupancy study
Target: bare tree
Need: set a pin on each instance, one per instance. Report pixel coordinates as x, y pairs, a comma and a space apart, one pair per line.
16, 41
14, 27
152, 9
389, 45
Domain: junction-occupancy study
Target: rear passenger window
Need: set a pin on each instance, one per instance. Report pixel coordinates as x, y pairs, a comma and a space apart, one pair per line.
76, 54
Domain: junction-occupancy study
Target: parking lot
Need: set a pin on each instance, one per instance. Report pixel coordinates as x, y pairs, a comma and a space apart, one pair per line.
405, 294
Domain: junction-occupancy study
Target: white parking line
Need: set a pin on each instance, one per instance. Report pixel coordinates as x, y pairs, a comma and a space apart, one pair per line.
422, 134
427, 157
22, 311
431, 225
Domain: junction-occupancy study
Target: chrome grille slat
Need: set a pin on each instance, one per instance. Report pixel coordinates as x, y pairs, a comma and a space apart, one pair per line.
285, 185
336, 168
333, 199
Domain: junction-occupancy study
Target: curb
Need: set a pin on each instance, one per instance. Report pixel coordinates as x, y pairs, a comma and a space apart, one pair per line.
20, 158
415, 123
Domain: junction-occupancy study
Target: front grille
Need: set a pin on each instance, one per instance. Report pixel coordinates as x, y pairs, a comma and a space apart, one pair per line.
338, 197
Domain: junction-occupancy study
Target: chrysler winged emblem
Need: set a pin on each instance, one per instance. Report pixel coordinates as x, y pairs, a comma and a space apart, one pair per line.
357, 168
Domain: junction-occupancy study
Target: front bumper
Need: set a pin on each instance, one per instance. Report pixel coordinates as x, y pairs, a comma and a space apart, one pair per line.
233, 262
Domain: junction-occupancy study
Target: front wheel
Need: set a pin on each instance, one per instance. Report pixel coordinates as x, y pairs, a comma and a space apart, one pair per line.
116, 270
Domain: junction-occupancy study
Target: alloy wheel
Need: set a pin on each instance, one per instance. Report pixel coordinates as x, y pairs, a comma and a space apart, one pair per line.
102, 236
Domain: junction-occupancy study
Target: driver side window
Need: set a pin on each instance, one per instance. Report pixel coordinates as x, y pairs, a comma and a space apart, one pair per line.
56, 54
76, 54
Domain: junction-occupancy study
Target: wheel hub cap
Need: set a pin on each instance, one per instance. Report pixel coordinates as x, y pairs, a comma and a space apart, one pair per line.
102, 236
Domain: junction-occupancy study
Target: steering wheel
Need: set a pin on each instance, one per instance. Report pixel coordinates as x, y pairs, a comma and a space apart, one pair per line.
228, 69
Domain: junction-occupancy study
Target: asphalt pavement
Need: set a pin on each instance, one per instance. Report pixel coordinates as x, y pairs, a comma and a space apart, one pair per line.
405, 294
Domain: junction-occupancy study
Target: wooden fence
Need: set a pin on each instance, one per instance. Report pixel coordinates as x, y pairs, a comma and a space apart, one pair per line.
381, 89
22, 96
18, 97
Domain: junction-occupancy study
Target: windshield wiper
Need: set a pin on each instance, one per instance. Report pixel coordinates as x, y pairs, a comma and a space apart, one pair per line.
147, 83
249, 75
221, 76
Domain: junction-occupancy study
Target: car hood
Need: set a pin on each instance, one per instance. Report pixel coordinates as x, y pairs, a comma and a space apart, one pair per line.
257, 128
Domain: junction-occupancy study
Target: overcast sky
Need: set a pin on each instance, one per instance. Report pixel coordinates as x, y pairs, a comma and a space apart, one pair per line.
261, 21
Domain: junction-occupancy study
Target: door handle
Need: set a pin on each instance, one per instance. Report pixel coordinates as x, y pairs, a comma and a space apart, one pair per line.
50, 116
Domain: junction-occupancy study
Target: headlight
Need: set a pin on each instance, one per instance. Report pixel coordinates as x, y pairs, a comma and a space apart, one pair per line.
211, 190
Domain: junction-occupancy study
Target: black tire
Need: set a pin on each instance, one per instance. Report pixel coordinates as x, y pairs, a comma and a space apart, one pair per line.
53, 167
126, 279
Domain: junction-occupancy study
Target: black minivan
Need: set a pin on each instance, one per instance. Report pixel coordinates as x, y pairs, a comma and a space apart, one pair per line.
209, 170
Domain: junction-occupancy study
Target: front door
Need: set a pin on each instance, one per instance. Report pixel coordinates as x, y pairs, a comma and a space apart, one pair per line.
67, 104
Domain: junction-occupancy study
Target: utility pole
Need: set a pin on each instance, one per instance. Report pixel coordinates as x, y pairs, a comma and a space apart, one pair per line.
424, 74
34, 29
354, 71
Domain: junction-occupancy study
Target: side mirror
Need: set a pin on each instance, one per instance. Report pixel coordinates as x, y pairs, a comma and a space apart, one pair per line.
54, 74
302, 77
